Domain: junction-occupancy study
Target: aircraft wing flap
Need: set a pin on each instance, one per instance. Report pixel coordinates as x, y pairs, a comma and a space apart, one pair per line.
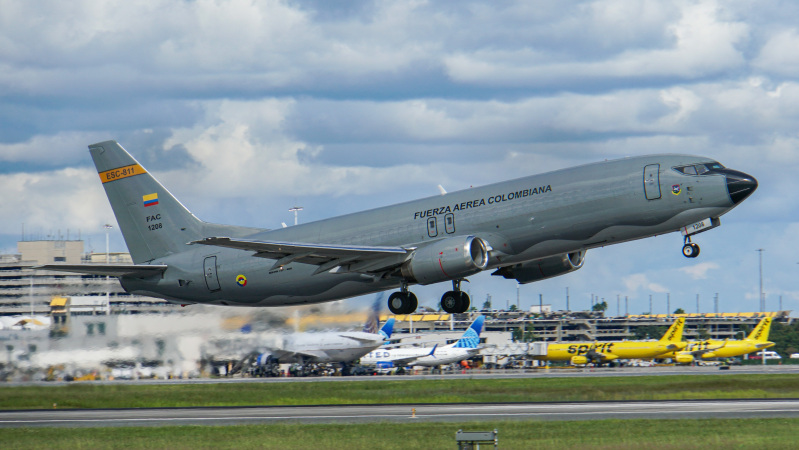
110, 270
316, 254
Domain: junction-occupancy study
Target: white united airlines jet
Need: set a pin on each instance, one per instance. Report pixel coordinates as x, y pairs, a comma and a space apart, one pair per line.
466, 347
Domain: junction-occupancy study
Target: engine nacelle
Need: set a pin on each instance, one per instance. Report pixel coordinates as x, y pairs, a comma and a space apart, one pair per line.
543, 268
579, 360
684, 359
448, 259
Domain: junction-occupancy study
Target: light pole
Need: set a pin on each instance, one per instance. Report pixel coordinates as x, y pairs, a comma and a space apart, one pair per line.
107, 254
762, 295
107, 278
295, 209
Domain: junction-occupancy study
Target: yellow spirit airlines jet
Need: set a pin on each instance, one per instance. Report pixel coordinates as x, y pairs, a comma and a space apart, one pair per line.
579, 353
711, 348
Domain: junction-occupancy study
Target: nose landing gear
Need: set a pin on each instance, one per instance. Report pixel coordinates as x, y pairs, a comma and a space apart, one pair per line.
690, 250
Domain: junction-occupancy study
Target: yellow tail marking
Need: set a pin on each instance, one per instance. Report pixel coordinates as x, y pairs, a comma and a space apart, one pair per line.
122, 172
674, 333
761, 331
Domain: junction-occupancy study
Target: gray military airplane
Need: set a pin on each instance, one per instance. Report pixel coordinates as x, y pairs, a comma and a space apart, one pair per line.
527, 229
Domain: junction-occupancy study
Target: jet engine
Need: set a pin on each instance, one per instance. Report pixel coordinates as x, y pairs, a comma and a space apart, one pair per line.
684, 359
579, 360
543, 268
448, 259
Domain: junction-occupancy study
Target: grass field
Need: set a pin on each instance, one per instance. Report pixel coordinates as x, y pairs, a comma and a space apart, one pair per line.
678, 387
615, 434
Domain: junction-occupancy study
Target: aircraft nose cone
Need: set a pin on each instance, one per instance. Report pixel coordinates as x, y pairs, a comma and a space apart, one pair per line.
739, 185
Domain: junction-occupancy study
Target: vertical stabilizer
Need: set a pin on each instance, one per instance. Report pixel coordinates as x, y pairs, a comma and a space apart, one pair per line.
471, 338
387, 328
373, 320
761, 331
153, 222
674, 333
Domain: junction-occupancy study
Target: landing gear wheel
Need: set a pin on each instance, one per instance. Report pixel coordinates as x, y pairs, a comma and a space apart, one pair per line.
455, 302
402, 302
690, 250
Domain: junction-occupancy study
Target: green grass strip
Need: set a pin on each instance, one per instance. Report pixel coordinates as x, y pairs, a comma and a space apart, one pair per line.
677, 387
615, 434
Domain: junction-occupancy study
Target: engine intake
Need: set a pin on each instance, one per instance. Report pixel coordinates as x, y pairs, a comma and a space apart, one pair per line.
543, 268
448, 259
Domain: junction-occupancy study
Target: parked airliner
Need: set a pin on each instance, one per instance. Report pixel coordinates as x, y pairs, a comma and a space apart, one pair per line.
466, 347
527, 229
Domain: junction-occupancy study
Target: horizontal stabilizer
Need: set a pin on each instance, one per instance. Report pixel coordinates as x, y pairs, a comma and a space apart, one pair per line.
110, 270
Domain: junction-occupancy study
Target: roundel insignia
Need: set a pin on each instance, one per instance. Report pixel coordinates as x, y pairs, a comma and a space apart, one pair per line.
676, 189
241, 280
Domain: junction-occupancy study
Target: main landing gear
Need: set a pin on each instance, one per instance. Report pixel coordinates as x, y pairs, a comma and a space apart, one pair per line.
453, 302
690, 250
402, 302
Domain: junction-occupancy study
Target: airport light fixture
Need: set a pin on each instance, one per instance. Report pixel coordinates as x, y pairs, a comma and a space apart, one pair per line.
107, 253
295, 210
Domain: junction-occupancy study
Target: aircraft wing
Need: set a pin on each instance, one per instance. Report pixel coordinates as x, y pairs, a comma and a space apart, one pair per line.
111, 270
352, 258
707, 349
361, 340
410, 359
312, 355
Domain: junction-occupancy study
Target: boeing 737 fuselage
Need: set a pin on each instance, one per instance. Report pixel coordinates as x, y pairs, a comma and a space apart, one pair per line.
527, 229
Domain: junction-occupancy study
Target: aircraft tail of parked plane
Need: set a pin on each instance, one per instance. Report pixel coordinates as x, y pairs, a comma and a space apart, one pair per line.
760, 333
673, 336
471, 337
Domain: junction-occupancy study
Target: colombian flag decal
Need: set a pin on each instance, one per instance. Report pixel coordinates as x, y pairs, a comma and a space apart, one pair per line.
150, 200
241, 280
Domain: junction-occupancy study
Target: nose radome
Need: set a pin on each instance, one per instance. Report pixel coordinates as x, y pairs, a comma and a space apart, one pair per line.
740, 185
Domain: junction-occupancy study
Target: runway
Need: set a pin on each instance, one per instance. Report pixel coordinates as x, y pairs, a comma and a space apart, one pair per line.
719, 409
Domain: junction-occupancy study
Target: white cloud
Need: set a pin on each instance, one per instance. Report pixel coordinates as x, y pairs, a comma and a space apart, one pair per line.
702, 43
640, 282
699, 271
47, 203
780, 55
347, 107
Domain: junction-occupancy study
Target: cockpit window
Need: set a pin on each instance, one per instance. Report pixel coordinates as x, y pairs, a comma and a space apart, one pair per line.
698, 169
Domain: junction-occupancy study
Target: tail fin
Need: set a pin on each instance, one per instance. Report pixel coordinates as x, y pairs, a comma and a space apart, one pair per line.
153, 222
387, 329
761, 331
674, 333
471, 338
373, 320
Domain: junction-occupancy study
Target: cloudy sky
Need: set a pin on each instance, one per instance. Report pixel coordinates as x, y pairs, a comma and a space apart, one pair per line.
244, 109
